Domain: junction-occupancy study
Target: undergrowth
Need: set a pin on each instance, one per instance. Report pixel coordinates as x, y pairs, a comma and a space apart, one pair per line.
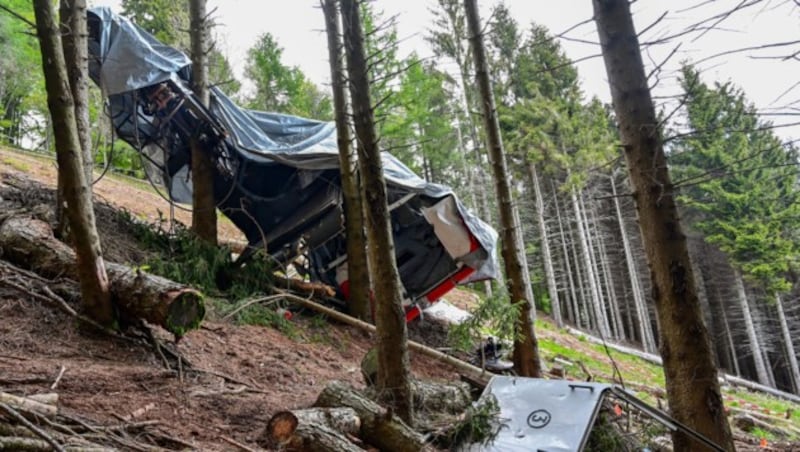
495, 316
180, 256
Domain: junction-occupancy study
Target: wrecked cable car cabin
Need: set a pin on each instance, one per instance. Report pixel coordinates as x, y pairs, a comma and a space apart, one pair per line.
276, 177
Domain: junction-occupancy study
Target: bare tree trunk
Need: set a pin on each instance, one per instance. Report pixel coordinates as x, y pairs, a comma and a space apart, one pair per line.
642, 316
586, 319
596, 268
204, 207
357, 269
526, 348
752, 337
393, 364
91, 269
573, 295
72, 15
546, 255
613, 305
731, 344
787, 342
74, 34
692, 385
586, 252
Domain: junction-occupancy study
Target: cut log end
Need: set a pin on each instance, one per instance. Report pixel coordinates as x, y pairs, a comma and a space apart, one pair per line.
281, 426
185, 312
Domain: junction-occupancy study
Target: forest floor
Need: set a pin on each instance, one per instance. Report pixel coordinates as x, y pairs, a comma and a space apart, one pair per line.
240, 374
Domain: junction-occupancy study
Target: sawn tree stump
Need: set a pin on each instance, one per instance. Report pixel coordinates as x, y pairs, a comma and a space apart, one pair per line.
378, 426
314, 429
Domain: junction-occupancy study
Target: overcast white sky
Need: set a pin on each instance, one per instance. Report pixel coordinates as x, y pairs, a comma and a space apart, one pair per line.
298, 27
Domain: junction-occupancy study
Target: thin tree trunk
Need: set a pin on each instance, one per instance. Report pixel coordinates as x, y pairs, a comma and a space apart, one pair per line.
72, 15
787, 343
752, 337
731, 344
573, 296
645, 329
613, 304
586, 320
526, 348
91, 269
74, 34
393, 364
692, 385
586, 252
596, 268
546, 255
204, 207
357, 269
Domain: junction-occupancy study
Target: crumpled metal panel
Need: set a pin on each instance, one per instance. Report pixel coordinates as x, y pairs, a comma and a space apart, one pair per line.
542, 415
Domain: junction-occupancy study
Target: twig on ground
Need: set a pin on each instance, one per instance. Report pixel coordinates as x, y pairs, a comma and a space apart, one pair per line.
231, 379
250, 303
39, 432
58, 378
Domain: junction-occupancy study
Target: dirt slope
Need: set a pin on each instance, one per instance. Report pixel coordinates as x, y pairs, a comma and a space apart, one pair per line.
248, 372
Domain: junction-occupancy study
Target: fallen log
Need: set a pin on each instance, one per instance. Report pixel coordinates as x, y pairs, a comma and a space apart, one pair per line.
28, 405
30, 243
314, 429
437, 397
475, 373
24, 444
308, 288
378, 426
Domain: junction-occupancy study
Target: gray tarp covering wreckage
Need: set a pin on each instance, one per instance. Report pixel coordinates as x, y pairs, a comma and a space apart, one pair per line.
276, 176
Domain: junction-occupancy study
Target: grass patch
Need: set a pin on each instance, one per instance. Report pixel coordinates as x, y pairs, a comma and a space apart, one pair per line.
18, 165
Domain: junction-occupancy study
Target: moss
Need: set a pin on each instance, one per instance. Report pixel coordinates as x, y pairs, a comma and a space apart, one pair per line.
185, 313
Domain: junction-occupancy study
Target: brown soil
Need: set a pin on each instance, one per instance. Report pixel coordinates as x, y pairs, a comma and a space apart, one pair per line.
241, 374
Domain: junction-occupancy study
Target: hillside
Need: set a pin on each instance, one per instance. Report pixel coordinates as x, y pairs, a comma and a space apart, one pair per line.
241, 373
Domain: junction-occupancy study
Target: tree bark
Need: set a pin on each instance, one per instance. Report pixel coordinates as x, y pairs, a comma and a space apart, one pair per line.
72, 16
357, 268
691, 377
29, 405
30, 243
378, 426
77, 193
550, 276
204, 207
526, 349
794, 370
393, 365
314, 429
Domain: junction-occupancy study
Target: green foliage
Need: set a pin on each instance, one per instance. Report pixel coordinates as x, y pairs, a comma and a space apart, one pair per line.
605, 436
281, 88
420, 131
261, 315
479, 426
385, 67
739, 182
178, 255
167, 20
221, 74
21, 79
495, 316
